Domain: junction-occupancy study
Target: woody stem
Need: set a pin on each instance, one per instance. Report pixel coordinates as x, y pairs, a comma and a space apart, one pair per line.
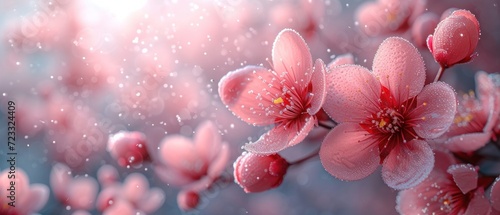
308, 157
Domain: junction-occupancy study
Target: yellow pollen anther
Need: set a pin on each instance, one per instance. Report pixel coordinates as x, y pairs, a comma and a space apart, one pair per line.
446, 202
278, 100
459, 119
382, 123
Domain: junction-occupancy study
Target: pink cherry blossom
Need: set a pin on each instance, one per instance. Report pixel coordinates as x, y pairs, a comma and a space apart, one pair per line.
454, 39
287, 97
193, 163
449, 189
78, 192
128, 148
134, 194
386, 16
473, 124
27, 198
385, 117
257, 173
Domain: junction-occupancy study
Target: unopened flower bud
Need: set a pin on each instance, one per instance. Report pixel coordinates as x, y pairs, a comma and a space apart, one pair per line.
128, 148
256, 173
188, 200
455, 39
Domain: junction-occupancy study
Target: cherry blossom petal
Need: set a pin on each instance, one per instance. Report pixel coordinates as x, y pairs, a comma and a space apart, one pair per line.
121, 207
370, 19
152, 200
468, 142
82, 192
426, 196
281, 137
179, 152
484, 87
408, 164
443, 159
107, 175
435, 111
218, 165
478, 204
60, 177
348, 154
39, 194
271, 142
106, 197
467, 14
495, 195
291, 58
318, 87
429, 43
489, 98
307, 126
465, 176
341, 60
244, 92
172, 176
207, 140
135, 187
352, 93
399, 67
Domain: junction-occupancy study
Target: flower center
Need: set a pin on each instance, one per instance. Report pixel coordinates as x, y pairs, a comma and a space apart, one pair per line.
390, 125
292, 103
387, 120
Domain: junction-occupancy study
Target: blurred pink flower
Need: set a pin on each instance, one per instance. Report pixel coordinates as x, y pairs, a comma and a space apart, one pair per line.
449, 189
79, 192
454, 39
107, 175
287, 97
388, 16
385, 117
257, 173
194, 164
423, 26
133, 195
473, 125
28, 198
128, 148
